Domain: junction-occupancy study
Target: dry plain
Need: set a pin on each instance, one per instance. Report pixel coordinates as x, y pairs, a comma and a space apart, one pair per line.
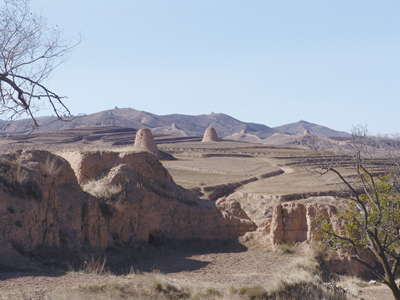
264, 176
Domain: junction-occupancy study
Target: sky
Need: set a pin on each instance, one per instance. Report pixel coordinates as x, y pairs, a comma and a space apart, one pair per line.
335, 63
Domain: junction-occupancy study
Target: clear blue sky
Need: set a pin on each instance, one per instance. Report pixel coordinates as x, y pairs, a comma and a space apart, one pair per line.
331, 62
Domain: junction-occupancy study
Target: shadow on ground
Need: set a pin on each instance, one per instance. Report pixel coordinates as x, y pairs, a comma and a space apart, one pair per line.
172, 257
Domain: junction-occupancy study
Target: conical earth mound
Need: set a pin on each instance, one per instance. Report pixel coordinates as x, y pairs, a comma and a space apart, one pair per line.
144, 140
210, 135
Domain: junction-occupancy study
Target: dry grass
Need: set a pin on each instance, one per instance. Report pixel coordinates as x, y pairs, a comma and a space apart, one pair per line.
253, 292
100, 189
141, 286
303, 284
22, 174
302, 280
302, 270
95, 266
310, 290
287, 248
352, 284
50, 167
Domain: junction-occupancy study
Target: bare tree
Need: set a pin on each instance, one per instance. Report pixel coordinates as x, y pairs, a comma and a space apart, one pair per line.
30, 49
369, 181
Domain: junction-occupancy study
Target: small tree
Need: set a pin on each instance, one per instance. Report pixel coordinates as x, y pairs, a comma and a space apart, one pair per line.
372, 221
30, 49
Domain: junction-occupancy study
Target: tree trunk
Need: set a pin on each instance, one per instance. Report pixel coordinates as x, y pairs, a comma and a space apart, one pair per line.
395, 291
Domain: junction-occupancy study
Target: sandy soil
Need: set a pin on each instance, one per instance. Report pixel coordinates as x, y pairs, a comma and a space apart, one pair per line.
376, 292
222, 270
218, 270
234, 265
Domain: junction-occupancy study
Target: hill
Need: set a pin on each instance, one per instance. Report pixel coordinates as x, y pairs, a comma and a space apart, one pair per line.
174, 124
301, 126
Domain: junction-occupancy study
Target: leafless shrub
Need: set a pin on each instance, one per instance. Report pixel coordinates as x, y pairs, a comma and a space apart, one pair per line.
30, 49
95, 266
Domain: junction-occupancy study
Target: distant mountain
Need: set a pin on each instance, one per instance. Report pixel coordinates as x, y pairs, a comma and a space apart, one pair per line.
175, 124
301, 126
181, 126
393, 135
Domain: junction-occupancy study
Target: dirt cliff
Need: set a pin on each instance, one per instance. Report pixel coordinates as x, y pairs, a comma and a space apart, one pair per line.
150, 206
294, 222
43, 205
297, 222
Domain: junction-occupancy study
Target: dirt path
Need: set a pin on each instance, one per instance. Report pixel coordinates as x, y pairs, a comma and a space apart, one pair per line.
223, 270
218, 270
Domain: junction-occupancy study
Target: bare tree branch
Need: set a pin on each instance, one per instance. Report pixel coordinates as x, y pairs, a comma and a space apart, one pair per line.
30, 50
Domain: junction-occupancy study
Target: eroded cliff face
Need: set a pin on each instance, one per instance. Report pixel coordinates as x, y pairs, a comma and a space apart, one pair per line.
42, 204
297, 222
294, 222
150, 206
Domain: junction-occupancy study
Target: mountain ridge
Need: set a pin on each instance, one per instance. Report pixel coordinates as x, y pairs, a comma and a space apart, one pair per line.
172, 124
302, 126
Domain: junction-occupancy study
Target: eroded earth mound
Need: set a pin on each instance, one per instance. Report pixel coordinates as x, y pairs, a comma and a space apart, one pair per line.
210, 135
134, 201
144, 140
